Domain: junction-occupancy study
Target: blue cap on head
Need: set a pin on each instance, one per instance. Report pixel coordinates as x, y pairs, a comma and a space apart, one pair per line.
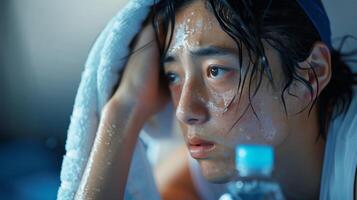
318, 16
254, 160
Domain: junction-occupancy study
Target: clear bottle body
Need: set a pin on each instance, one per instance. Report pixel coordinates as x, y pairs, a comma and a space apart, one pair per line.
254, 164
253, 189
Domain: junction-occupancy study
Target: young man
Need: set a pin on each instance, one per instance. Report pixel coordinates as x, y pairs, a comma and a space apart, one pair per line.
233, 79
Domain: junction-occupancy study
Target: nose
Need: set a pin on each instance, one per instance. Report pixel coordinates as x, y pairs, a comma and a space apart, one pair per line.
191, 108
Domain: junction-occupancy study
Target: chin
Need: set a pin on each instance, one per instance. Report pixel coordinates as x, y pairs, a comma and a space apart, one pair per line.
218, 179
217, 172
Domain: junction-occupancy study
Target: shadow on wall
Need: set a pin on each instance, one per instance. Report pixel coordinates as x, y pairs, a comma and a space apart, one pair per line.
342, 15
44, 45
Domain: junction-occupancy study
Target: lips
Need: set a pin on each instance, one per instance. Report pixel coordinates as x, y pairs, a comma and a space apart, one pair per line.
199, 148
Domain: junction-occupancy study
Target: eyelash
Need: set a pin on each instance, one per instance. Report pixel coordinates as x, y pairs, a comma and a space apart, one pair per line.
173, 78
214, 69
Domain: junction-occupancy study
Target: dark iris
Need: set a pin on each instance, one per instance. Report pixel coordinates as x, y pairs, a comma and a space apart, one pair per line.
214, 71
171, 78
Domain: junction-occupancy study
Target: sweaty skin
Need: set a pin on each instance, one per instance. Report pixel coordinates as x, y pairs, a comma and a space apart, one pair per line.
203, 69
202, 66
121, 121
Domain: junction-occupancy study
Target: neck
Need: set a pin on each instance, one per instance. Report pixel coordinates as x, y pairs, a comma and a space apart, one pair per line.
299, 159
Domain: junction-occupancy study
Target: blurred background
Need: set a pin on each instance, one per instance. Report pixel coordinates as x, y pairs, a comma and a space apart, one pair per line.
43, 47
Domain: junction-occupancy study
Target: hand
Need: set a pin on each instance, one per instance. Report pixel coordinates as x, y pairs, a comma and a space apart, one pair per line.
138, 96
141, 84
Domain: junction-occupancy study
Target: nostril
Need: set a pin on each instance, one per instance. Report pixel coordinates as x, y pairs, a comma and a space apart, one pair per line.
192, 121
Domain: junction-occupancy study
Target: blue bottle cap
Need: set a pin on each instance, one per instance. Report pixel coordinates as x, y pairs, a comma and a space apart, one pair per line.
254, 160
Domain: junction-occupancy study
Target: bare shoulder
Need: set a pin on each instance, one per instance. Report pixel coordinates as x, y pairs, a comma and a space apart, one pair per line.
173, 177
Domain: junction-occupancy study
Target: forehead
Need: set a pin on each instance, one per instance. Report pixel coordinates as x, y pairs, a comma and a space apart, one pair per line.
197, 26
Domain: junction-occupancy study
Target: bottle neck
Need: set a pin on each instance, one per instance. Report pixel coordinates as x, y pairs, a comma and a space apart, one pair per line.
267, 173
252, 175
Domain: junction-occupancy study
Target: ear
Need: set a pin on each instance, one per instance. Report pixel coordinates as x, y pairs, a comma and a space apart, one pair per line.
316, 69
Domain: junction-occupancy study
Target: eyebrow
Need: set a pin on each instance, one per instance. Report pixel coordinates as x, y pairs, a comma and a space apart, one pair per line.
203, 52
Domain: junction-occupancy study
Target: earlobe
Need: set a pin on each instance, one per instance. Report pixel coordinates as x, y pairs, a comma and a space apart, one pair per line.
316, 69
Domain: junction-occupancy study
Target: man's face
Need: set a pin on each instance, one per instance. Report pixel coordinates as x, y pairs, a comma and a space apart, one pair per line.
202, 65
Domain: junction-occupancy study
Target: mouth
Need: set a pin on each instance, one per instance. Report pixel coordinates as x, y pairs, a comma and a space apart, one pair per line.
200, 149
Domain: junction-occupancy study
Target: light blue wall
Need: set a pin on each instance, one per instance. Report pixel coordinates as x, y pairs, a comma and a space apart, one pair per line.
343, 18
44, 45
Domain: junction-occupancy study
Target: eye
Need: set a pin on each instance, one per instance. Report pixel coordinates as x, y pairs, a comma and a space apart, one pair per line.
172, 78
216, 72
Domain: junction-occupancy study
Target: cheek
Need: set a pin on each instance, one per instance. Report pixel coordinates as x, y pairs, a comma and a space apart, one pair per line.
183, 129
175, 92
272, 120
265, 123
218, 102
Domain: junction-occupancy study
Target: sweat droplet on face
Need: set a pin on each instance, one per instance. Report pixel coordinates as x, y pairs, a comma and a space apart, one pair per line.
185, 32
268, 130
220, 101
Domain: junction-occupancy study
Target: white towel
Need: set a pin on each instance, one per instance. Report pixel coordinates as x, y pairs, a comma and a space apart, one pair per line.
340, 160
101, 73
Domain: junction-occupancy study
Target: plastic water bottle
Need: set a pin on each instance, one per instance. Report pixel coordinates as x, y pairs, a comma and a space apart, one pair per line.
254, 164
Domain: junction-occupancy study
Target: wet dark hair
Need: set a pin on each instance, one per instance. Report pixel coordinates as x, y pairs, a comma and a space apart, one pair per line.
283, 25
